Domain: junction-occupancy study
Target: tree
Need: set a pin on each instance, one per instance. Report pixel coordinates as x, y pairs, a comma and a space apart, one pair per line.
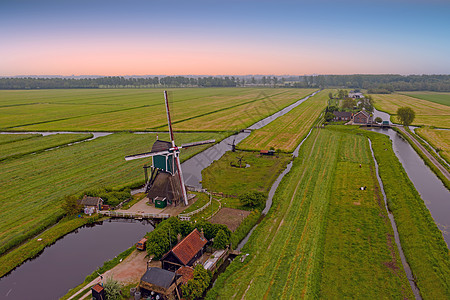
329, 116
253, 199
112, 289
196, 286
71, 206
330, 95
378, 120
405, 115
221, 240
348, 103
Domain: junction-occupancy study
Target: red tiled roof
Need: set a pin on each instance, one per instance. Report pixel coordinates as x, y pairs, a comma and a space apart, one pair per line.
189, 246
98, 288
186, 273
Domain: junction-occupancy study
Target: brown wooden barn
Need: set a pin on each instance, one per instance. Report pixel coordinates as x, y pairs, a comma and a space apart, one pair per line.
186, 252
159, 281
91, 203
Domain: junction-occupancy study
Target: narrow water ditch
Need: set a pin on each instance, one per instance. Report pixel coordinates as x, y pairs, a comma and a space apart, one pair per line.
405, 264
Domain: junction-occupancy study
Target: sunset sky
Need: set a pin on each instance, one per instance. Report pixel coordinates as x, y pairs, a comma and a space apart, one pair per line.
134, 37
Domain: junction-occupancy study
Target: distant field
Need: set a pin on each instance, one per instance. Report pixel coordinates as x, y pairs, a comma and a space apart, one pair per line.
286, 132
441, 98
427, 112
8, 138
439, 139
33, 186
323, 237
192, 109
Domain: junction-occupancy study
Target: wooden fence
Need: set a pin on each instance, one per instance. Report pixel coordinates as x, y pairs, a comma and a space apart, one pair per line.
134, 215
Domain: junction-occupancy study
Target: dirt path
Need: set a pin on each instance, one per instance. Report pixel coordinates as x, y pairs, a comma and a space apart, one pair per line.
127, 272
422, 148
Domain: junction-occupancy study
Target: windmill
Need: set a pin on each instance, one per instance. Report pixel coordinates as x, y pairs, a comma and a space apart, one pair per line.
166, 164
233, 145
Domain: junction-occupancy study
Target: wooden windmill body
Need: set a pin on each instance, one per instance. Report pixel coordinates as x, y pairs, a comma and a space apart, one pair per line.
166, 181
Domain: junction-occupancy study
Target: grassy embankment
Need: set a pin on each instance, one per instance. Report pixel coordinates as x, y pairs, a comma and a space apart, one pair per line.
422, 241
34, 185
427, 113
215, 109
323, 237
286, 132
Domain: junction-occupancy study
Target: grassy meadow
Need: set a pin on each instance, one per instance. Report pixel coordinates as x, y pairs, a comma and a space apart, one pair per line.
33, 186
286, 132
8, 138
427, 113
439, 139
220, 176
192, 109
323, 237
441, 98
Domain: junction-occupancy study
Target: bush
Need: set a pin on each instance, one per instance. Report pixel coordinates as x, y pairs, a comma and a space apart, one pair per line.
196, 286
221, 240
253, 199
112, 289
71, 206
244, 228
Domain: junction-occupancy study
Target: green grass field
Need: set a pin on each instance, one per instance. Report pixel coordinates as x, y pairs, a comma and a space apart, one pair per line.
322, 238
439, 139
441, 98
214, 109
8, 138
220, 176
33, 186
286, 132
427, 113
37, 144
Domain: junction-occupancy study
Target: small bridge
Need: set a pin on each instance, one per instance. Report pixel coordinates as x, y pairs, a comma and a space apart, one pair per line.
116, 214
377, 125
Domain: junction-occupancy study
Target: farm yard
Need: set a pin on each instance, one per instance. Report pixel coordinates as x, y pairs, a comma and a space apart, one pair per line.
427, 113
286, 132
216, 109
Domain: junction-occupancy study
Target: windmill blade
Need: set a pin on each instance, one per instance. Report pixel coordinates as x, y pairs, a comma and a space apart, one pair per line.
180, 174
169, 121
147, 154
197, 143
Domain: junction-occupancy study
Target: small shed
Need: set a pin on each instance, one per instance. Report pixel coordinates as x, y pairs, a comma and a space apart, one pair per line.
159, 281
91, 203
186, 252
267, 152
160, 202
98, 292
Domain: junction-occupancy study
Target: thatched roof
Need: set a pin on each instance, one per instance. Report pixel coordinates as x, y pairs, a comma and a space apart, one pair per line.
166, 186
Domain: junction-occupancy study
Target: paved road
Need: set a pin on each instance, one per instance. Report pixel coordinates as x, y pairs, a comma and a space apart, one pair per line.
422, 148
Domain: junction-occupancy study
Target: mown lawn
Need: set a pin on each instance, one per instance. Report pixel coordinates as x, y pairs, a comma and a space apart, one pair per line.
33, 186
261, 172
216, 109
286, 132
427, 113
301, 249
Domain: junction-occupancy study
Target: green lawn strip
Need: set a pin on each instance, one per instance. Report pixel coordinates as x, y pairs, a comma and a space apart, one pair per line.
33, 247
360, 246
427, 161
107, 265
9, 138
221, 176
39, 144
441, 98
28, 184
205, 214
286, 132
422, 241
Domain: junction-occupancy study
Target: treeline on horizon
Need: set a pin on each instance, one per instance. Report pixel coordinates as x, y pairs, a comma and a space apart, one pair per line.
372, 83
